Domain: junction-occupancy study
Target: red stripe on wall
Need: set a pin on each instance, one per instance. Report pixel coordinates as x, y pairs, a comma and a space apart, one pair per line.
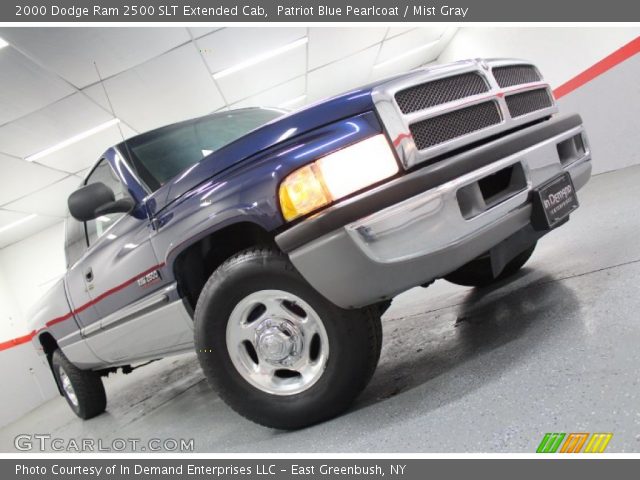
14, 342
607, 63
27, 338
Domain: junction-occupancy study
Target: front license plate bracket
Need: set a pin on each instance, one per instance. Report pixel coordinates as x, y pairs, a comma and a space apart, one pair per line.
553, 202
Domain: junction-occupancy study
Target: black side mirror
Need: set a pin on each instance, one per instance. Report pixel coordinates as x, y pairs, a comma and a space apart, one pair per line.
96, 199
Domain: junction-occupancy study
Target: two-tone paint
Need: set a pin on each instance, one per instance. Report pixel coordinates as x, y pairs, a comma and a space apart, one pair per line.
105, 313
124, 300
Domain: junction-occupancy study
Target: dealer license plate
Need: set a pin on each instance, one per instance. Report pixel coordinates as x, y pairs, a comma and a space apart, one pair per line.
553, 202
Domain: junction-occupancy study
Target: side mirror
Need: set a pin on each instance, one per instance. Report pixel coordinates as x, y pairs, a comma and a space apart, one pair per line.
96, 199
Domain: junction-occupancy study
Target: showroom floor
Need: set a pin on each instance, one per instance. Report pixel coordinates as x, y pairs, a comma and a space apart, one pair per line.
556, 350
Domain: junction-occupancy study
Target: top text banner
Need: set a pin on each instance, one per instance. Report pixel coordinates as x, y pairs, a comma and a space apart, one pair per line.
271, 11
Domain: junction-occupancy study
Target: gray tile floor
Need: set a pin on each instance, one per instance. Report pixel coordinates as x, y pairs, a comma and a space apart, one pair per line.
555, 350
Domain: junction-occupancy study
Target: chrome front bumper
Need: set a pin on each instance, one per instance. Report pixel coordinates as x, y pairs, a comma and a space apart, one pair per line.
433, 233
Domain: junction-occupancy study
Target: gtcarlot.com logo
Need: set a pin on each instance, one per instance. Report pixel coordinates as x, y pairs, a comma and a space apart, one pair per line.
45, 443
573, 443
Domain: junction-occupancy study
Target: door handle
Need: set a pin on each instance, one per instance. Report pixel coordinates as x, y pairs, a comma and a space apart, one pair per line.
88, 275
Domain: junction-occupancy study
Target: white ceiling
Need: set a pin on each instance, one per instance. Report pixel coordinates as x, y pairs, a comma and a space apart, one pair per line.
50, 91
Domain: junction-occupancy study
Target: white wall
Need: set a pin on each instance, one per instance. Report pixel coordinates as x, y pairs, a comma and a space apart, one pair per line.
27, 269
27, 382
31, 266
609, 104
11, 321
610, 107
560, 52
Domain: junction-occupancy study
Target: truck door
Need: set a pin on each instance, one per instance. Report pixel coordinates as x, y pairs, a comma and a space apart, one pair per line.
137, 309
80, 302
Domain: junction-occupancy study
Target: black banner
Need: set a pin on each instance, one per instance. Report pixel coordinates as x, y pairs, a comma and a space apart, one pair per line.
305, 469
313, 11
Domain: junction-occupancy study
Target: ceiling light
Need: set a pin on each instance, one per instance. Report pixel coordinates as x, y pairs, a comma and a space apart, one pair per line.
406, 54
72, 140
3, 43
18, 222
260, 58
293, 101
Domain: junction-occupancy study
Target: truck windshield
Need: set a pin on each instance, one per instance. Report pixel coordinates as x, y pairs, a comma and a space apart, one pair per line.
161, 154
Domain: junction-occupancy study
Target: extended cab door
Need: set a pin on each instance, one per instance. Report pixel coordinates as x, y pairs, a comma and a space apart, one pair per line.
124, 280
80, 302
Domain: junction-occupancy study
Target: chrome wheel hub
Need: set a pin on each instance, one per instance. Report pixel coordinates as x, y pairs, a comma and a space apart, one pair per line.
277, 342
67, 387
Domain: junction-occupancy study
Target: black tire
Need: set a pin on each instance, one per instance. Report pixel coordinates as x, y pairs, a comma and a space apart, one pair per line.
375, 315
87, 386
354, 338
478, 273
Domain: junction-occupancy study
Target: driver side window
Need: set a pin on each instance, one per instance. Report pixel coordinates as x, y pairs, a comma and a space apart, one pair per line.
105, 174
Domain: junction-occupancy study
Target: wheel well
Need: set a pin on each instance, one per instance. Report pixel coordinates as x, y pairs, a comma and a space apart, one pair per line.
49, 344
196, 263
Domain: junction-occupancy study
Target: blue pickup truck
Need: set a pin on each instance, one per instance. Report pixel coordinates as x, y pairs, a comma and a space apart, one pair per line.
272, 242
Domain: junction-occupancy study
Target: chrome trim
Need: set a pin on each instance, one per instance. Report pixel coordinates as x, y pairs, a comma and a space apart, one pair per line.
397, 124
281, 339
433, 221
139, 308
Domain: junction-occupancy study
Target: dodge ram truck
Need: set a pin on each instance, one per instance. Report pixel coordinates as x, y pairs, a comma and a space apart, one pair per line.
272, 242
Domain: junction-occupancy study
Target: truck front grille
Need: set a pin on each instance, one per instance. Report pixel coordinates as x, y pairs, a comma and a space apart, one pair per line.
526, 102
436, 130
441, 91
515, 75
431, 112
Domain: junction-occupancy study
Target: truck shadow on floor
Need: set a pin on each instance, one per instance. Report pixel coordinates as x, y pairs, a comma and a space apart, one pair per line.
419, 349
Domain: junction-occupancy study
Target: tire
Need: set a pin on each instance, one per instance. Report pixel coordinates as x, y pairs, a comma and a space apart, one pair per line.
478, 273
90, 398
245, 297
375, 316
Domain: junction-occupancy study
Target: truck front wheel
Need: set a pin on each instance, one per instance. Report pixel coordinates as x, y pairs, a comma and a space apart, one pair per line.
83, 389
274, 349
478, 272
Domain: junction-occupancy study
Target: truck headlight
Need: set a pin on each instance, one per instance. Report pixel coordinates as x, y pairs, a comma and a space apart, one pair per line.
337, 175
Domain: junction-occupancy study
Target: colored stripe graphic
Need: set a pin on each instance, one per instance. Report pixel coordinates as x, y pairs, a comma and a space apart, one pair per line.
574, 442
598, 442
550, 443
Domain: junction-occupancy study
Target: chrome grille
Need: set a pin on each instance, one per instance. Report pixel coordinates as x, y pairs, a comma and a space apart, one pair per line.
511, 75
440, 91
436, 130
526, 102
434, 111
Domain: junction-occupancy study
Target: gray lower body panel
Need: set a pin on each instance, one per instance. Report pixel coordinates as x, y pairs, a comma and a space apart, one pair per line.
154, 327
432, 234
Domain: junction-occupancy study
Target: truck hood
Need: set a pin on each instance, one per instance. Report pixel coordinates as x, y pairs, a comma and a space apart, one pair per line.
283, 128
